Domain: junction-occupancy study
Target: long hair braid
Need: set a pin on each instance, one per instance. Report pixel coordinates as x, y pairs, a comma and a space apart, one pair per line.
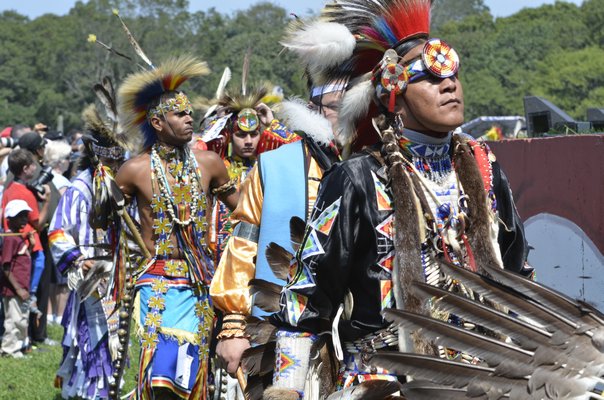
408, 234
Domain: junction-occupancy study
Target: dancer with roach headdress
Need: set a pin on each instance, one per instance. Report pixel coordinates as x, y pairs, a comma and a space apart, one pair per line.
81, 250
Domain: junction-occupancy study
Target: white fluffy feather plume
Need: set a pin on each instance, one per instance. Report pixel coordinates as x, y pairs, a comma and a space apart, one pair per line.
297, 116
320, 46
355, 105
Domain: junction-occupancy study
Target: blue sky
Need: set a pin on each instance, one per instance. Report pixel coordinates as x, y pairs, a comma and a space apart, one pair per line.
35, 8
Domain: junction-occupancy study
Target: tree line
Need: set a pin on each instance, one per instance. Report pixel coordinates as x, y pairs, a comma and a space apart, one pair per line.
47, 66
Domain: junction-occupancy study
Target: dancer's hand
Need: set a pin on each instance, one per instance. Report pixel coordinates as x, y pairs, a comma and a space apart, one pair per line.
265, 114
230, 351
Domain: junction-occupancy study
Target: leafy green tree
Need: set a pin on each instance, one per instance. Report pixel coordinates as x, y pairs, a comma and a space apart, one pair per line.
573, 80
47, 68
444, 11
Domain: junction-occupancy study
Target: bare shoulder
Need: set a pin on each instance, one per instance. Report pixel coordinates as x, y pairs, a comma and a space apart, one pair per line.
136, 162
134, 165
207, 157
130, 173
209, 161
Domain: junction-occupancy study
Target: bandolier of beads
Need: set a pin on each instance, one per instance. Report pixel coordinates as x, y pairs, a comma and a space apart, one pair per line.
165, 204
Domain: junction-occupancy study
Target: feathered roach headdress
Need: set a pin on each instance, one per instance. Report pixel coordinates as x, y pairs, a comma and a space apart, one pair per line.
140, 90
358, 40
239, 114
103, 133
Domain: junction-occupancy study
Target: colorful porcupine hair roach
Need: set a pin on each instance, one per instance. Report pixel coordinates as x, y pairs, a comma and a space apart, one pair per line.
141, 89
349, 41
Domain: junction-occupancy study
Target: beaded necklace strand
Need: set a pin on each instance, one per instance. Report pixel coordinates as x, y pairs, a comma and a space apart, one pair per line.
170, 204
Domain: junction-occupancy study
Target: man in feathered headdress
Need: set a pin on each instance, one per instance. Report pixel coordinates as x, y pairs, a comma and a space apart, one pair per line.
170, 184
283, 184
244, 128
416, 194
248, 128
90, 337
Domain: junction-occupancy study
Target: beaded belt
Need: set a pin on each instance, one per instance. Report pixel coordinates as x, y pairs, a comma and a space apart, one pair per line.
169, 268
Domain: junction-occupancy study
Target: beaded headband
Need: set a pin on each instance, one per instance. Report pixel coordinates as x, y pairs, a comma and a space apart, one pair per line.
115, 152
179, 103
328, 88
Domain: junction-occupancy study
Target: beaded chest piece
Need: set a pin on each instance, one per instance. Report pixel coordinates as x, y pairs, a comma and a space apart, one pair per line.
179, 209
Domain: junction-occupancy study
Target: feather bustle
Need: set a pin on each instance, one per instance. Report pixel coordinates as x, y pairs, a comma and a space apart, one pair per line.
368, 390
442, 333
260, 331
259, 360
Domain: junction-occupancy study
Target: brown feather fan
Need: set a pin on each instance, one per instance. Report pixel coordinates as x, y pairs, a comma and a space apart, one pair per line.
552, 350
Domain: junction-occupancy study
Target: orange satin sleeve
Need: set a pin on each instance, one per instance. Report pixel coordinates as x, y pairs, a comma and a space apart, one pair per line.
315, 173
229, 288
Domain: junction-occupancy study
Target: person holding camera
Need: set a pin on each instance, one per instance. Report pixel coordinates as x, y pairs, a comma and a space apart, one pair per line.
22, 164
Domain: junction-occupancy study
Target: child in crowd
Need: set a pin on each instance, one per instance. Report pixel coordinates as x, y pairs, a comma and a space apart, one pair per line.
14, 279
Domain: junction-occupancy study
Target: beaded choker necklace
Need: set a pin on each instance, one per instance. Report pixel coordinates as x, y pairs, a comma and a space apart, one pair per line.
429, 155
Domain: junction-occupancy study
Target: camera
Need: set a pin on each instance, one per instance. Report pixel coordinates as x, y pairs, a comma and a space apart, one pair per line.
8, 142
37, 185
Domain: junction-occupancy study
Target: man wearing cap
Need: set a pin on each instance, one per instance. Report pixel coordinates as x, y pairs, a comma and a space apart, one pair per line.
15, 262
283, 184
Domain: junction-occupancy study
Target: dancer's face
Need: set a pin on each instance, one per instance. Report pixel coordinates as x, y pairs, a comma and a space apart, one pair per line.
433, 106
245, 143
175, 128
329, 106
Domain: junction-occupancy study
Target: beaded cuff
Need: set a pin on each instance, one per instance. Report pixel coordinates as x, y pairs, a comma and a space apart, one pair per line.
233, 326
228, 187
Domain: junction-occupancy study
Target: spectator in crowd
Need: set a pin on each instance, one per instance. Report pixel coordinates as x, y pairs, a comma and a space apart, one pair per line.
75, 140
35, 143
56, 156
22, 165
41, 128
16, 133
15, 278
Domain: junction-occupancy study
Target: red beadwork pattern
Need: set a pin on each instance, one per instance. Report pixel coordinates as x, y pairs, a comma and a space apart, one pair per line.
440, 58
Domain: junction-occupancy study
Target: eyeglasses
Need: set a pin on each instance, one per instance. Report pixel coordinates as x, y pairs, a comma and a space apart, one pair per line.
333, 106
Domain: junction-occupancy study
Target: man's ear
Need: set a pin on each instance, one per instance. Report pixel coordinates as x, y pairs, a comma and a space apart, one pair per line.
384, 99
156, 123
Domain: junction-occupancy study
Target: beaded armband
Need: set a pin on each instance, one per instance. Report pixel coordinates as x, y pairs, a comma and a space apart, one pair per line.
228, 187
233, 326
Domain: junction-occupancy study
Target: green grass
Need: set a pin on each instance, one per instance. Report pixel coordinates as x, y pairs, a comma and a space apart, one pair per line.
32, 378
